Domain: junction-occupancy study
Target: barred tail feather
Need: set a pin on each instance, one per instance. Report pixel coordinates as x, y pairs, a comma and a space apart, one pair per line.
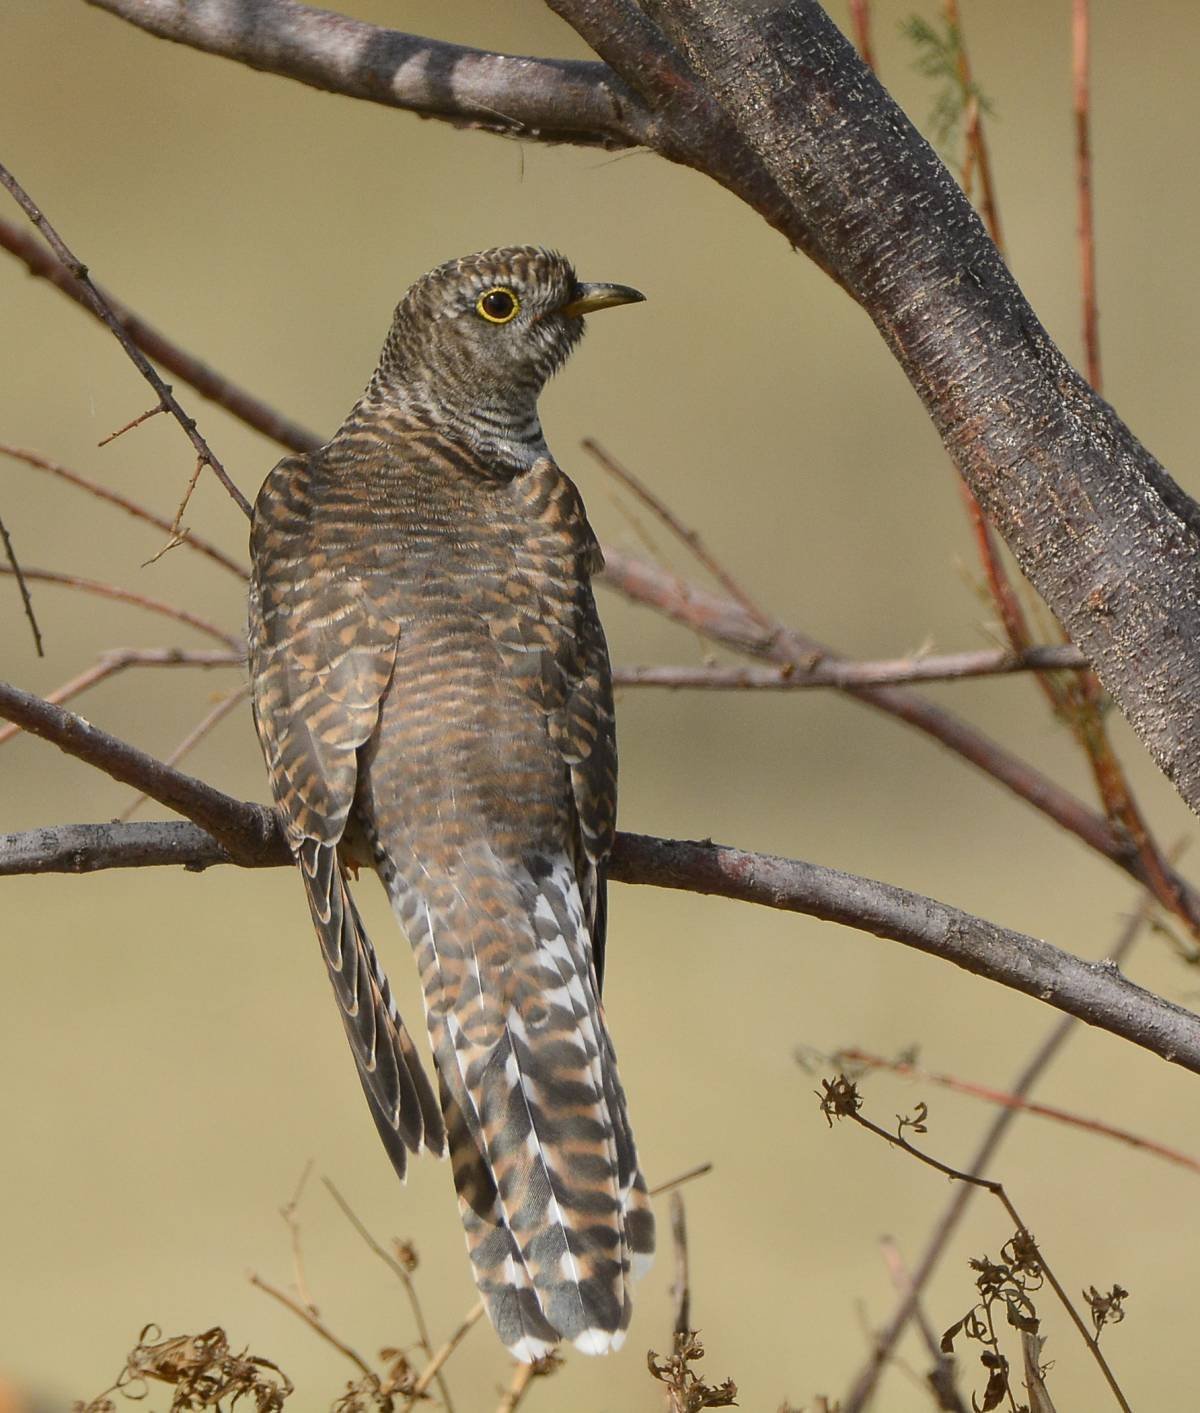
552, 1203
398, 1091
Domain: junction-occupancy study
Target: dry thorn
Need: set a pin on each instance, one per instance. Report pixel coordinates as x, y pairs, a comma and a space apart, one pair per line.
289, 1214
129, 426
523, 1377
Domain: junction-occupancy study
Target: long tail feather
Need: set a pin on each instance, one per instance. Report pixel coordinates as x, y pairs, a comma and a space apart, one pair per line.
401, 1099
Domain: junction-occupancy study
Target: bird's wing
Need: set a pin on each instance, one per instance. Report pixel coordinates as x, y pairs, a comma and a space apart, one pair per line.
322, 645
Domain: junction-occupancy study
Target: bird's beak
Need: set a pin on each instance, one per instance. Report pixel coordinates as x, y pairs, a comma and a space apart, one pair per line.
586, 299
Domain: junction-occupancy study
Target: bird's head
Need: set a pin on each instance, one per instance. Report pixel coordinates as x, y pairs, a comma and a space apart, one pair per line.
490, 329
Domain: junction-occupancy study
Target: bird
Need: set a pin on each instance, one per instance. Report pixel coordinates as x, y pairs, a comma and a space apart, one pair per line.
432, 693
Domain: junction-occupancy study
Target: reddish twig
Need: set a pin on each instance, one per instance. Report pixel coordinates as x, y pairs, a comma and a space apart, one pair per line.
1009, 1100
23, 587
131, 507
120, 595
99, 306
314, 1322
134, 422
860, 20
682, 532
1080, 66
941, 1376
946, 667
191, 741
119, 659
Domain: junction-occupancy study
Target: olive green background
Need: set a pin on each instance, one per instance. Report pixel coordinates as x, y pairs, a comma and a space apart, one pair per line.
170, 1059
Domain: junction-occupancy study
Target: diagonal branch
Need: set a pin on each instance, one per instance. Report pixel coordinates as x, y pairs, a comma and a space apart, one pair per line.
550, 100
90, 295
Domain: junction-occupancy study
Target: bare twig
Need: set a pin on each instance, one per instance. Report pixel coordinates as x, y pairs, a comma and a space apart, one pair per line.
314, 1322
100, 308
1007, 1100
288, 1212
120, 595
840, 673
700, 1170
117, 660
548, 100
726, 622
685, 533
137, 421
433, 1369
867, 1378
131, 507
402, 1274
23, 587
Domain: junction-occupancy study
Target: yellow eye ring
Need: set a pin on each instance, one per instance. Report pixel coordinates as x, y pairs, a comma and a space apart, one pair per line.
498, 306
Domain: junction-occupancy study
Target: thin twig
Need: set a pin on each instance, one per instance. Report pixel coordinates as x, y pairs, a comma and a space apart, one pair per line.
860, 19
681, 1287
288, 1213
725, 622
11, 556
1007, 1100
685, 533
102, 311
131, 507
404, 1277
700, 1170
120, 595
840, 673
193, 738
433, 1368
137, 421
118, 659
314, 1322
867, 1378
1081, 92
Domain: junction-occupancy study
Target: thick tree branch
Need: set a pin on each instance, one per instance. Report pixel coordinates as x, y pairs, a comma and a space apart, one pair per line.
1094, 992
554, 100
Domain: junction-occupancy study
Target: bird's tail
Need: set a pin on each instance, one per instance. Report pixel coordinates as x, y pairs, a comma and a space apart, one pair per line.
555, 1208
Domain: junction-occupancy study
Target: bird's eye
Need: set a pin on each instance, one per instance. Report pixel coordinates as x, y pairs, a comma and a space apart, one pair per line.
498, 306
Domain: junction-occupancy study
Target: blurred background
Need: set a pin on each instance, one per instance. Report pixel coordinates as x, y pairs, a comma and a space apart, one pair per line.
171, 1060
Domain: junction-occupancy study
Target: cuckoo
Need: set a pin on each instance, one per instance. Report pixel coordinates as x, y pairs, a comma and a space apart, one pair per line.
432, 692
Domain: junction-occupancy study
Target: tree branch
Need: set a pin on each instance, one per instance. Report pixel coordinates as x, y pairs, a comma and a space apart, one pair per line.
250, 836
551, 100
